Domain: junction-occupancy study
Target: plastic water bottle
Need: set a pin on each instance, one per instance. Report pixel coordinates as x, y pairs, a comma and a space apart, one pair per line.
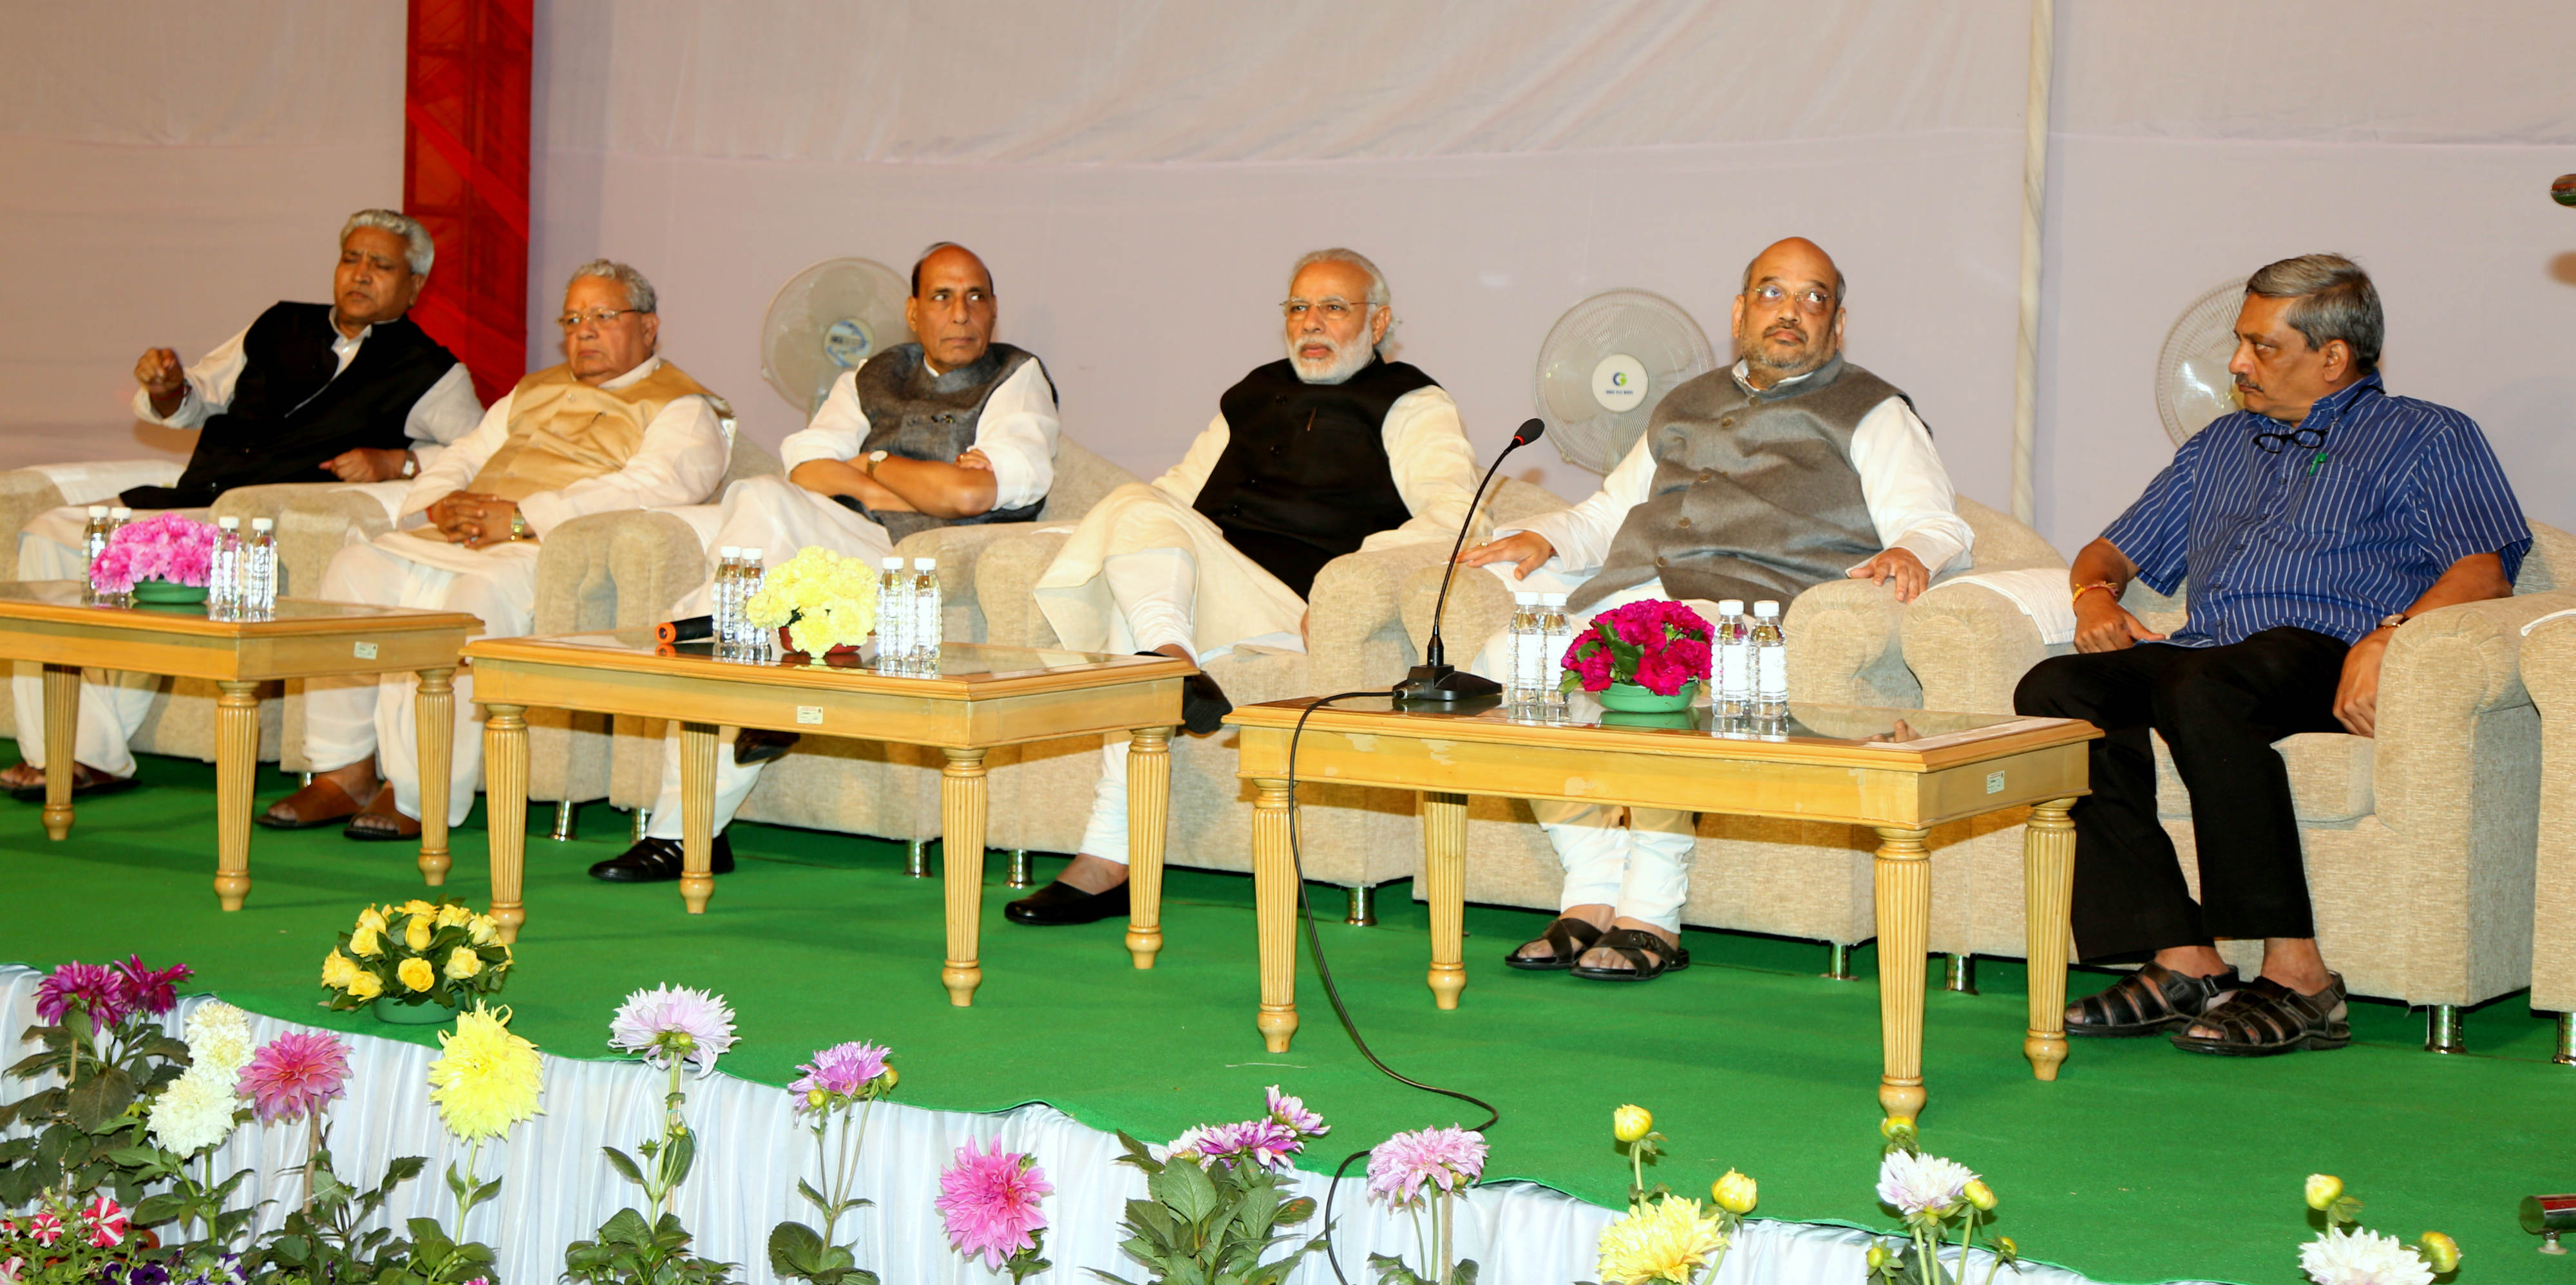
727, 591
223, 571
1529, 659
259, 570
1555, 634
93, 543
756, 642
894, 618
1733, 645
117, 518
1770, 662
926, 617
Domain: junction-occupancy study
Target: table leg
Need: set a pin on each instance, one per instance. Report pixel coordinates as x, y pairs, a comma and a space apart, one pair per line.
505, 810
1444, 869
236, 766
1274, 896
961, 859
434, 709
1149, 797
1904, 927
62, 731
697, 815
2048, 873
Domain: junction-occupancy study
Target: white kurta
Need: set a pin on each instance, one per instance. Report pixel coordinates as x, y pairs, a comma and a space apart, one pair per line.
1145, 569
1016, 430
680, 460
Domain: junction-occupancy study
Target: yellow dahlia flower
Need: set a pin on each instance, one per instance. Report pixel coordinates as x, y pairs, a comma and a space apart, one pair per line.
416, 933
485, 1079
462, 963
1631, 1123
1669, 1240
337, 970
453, 914
364, 945
1734, 1193
417, 974
365, 985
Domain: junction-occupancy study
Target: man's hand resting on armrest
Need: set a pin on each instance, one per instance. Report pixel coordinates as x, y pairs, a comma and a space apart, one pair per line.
1527, 551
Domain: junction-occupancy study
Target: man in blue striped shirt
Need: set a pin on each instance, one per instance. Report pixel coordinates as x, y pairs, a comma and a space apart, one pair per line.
2309, 526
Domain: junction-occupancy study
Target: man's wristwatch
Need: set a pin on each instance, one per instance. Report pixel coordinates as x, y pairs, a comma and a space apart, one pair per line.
874, 458
518, 525
2392, 620
411, 465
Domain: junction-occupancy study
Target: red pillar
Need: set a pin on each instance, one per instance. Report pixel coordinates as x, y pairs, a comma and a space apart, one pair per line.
465, 177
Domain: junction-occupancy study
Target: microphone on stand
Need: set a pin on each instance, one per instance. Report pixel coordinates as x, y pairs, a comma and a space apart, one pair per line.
1435, 681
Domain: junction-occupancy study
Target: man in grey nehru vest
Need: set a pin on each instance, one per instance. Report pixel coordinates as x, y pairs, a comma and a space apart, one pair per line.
951, 428
1790, 469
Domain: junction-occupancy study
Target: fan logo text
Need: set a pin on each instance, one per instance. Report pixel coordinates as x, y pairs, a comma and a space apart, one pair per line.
1619, 383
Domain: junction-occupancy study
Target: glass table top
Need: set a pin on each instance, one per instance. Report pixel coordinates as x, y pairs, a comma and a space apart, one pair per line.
69, 594
969, 661
1807, 722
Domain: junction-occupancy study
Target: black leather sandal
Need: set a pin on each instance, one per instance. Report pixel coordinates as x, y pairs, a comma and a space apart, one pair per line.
2267, 1019
1569, 937
1651, 956
2152, 999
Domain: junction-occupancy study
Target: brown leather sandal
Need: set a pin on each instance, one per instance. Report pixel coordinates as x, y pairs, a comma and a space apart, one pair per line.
1568, 937
322, 803
381, 822
87, 782
1648, 955
2152, 999
2267, 1018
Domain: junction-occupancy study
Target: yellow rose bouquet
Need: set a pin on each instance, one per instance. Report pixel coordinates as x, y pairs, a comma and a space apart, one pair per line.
830, 601
415, 962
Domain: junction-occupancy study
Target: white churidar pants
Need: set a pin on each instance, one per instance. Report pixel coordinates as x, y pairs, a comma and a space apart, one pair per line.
112, 701
778, 518
347, 720
1642, 869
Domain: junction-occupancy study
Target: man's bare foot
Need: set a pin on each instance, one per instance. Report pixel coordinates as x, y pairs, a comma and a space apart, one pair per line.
2192, 961
1092, 874
335, 795
25, 776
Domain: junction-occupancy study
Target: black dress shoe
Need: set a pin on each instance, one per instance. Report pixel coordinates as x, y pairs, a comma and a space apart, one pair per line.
1062, 903
1203, 703
756, 745
658, 861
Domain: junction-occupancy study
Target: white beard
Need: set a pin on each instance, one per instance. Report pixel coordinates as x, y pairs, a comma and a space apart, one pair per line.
1347, 360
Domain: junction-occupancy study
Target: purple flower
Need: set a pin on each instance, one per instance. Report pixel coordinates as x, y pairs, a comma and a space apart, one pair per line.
671, 1024
95, 987
1400, 1167
842, 1071
152, 991
295, 1075
989, 1202
1290, 1110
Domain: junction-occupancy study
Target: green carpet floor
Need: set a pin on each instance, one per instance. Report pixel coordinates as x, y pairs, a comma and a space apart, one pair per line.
2139, 1164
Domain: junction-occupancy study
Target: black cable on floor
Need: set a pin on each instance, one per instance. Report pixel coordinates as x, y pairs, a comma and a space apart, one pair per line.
1324, 974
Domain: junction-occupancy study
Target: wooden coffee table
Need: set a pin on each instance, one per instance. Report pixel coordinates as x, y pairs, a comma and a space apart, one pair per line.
984, 696
45, 621
1900, 772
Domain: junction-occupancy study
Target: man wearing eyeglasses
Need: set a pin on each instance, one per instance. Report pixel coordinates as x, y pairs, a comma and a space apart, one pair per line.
2310, 525
1329, 451
952, 428
613, 427
1793, 468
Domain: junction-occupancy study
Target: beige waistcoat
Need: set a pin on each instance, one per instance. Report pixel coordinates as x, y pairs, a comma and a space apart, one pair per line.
563, 430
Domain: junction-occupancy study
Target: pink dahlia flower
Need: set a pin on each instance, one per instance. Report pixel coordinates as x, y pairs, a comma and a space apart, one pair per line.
95, 986
295, 1075
989, 1202
670, 1024
1290, 1110
1402, 1166
152, 991
843, 1070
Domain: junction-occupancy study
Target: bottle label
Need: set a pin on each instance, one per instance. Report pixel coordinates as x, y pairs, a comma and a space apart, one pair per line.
1734, 673
1775, 671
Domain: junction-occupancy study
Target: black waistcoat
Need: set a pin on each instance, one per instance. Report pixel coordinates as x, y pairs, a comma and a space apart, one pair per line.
289, 412
1304, 477
921, 416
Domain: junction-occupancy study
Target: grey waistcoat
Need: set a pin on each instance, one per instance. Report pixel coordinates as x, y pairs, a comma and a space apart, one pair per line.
922, 416
1754, 495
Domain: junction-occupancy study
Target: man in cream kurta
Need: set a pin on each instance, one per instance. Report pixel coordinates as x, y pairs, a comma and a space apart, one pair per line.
1788, 470
1328, 452
951, 428
615, 427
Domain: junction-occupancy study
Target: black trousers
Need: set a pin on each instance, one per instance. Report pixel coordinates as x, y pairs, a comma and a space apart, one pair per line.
2219, 709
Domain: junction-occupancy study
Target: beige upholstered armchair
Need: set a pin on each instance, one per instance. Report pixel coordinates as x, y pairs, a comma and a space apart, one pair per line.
2419, 840
2549, 674
1751, 874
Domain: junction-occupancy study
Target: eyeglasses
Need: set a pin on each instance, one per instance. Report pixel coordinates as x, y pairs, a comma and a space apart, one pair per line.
1333, 307
572, 321
2306, 439
1812, 299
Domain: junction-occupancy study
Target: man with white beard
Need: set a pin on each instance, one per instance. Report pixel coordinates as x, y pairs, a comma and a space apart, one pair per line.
1327, 452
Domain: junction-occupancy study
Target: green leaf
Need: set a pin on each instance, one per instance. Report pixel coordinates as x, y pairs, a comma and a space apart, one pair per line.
812, 1197
1296, 1211
617, 1160
795, 1250
1185, 1190
676, 1161
100, 1098
1464, 1273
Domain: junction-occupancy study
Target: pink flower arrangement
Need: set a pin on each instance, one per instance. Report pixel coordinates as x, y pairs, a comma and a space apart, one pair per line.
1655, 644
1402, 1167
989, 1201
164, 546
295, 1075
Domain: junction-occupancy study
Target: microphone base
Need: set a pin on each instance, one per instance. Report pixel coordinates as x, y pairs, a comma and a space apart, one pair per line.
1444, 685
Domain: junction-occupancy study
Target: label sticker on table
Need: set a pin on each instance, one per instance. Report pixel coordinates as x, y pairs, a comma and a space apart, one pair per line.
809, 714
363, 651
1994, 782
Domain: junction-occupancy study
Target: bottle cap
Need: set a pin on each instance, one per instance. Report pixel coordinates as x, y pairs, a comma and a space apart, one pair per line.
729, 552
1525, 600
1730, 606
753, 553
892, 564
1766, 609
925, 564
98, 510
263, 524
120, 513
228, 524
1551, 599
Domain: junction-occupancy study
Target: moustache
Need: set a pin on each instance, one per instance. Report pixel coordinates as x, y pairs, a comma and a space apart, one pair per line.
1788, 327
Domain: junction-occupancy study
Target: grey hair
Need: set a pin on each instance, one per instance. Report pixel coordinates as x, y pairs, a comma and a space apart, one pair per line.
639, 292
1377, 294
421, 251
2335, 301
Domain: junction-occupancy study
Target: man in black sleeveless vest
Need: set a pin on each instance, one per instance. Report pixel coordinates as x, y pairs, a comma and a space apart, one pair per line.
1327, 452
952, 428
310, 392
1793, 468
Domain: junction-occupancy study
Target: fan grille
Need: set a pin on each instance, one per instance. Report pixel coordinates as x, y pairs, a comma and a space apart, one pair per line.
2193, 386
1653, 331
825, 320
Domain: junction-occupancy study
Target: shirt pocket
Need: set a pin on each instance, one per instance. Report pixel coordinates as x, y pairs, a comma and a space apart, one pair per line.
2346, 504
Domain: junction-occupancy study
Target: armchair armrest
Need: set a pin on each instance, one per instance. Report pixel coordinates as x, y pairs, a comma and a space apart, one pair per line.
2443, 674
1846, 646
2549, 658
314, 522
101, 481
1355, 631
615, 570
24, 493
1968, 646
1006, 577
1480, 606
960, 549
